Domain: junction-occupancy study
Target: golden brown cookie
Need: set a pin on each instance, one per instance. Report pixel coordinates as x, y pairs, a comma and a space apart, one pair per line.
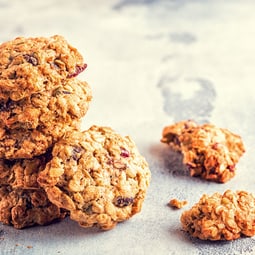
24, 208
209, 152
221, 217
29, 65
97, 175
63, 104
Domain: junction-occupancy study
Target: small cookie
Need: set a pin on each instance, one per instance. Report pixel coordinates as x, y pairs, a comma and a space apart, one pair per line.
29, 65
221, 217
22, 173
97, 175
63, 104
24, 208
208, 151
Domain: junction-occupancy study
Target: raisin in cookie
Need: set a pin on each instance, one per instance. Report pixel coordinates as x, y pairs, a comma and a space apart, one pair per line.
29, 65
63, 104
24, 208
221, 217
22, 173
98, 176
209, 152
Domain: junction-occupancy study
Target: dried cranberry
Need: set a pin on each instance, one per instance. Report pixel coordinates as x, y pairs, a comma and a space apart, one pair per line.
124, 153
215, 146
123, 201
31, 59
78, 70
231, 168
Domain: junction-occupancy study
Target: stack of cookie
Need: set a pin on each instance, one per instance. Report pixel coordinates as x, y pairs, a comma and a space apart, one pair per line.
49, 168
40, 100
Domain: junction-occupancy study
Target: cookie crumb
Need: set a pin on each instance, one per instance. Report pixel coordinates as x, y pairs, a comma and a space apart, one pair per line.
175, 203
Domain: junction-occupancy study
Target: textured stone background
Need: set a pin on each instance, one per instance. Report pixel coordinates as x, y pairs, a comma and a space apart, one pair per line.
150, 63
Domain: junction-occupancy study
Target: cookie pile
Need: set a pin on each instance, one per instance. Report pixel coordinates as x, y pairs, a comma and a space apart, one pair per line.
49, 168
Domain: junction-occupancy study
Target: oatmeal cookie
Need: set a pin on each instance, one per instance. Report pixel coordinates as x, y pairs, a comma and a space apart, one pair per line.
209, 152
221, 217
63, 104
98, 176
22, 173
29, 65
24, 208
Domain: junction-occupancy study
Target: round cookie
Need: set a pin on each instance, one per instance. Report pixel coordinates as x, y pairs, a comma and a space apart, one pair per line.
29, 65
98, 176
24, 208
63, 104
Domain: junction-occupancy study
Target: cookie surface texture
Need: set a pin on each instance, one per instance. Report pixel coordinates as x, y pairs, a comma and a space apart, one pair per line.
24, 208
98, 175
30, 126
221, 216
28, 143
22, 173
171, 134
64, 104
29, 65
